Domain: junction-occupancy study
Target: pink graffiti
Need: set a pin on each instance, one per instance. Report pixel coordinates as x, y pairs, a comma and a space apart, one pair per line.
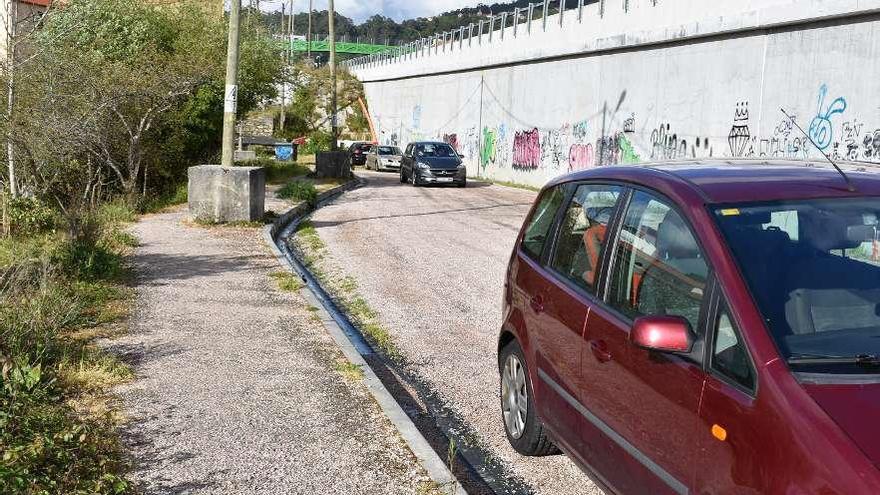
527, 149
580, 156
452, 140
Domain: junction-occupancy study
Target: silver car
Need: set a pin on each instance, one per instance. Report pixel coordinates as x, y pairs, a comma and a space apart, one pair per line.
381, 157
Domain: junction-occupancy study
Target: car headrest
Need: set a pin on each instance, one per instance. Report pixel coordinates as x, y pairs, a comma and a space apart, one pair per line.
826, 232
674, 240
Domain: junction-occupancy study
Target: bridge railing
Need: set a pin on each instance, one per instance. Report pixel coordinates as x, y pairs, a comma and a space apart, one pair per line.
518, 22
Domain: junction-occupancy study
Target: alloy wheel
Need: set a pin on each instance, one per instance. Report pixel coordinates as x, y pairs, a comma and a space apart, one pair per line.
514, 396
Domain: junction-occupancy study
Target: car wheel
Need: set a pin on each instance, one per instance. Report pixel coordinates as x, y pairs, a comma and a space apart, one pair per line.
463, 184
402, 177
524, 429
414, 178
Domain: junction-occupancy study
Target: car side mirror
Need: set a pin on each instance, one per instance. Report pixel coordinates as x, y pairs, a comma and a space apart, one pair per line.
662, 334
461, 156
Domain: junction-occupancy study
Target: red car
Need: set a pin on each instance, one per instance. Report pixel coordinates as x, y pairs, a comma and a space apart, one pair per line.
705, 327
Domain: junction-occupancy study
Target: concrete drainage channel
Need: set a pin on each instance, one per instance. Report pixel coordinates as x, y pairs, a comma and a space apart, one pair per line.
351, 342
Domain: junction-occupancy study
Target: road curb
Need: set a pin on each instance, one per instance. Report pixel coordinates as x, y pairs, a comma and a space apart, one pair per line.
350, 340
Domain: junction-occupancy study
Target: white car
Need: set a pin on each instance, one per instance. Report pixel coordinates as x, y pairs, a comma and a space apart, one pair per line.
381, 157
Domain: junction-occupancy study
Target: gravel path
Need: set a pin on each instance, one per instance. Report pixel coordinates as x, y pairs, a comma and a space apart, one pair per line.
237, 389
432, 261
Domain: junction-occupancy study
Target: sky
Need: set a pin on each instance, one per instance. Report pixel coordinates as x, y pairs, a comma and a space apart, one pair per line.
360, 10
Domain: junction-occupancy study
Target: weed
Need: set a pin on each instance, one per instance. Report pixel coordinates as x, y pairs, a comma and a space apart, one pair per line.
177, 196
299, 190
429, 487
287, 281
351, 372
312, 248
515, 185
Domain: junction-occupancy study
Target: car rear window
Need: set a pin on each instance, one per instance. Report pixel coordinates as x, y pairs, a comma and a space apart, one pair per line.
538, 227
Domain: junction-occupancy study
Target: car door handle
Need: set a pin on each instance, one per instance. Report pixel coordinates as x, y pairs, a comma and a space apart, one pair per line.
600, 350
537, 304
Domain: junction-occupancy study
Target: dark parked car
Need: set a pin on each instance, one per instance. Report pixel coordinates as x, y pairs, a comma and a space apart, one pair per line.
700, 328
357, 153
383, 158
427, 162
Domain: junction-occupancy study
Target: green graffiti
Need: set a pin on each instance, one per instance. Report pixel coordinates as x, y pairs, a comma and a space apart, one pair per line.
487, 154
627, 152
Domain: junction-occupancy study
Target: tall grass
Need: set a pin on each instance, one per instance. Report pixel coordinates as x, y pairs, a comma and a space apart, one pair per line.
59, 289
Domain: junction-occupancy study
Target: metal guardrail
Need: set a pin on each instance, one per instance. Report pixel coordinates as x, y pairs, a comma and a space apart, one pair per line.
494, 27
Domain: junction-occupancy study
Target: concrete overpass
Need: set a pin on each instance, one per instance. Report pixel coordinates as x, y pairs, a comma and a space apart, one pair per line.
527, 97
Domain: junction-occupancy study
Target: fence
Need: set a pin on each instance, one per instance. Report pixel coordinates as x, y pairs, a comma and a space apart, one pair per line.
519, 22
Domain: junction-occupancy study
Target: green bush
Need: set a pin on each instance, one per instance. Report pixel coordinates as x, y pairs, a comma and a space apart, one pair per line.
27, 216
318, 141
277, 172
299, 190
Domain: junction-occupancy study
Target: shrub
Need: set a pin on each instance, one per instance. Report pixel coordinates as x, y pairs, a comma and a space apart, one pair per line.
318, 141
299, 190
26, 216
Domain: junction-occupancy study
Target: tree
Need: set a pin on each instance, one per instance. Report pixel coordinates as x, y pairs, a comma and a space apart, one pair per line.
310, 109
118, 90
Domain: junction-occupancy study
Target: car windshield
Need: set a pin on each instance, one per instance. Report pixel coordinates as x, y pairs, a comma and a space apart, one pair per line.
814, 270
363, 147
389, 150
435, 149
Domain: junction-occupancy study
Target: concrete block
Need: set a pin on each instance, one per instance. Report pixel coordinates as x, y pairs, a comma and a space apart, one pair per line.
227, 194
245, 155
332, 164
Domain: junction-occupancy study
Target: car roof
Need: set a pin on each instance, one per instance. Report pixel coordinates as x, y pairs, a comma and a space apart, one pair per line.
732, 181
428, 142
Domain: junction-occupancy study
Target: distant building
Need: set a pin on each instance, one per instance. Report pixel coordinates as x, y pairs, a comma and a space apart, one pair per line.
23, 15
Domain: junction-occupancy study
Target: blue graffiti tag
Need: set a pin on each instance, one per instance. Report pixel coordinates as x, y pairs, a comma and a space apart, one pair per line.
821, 130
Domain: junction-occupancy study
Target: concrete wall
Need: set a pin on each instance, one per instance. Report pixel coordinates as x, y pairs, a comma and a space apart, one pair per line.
644, 85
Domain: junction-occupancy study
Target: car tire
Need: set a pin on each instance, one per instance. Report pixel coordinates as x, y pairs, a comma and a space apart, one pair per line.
525, 432
402, 177
414, 178
462, 184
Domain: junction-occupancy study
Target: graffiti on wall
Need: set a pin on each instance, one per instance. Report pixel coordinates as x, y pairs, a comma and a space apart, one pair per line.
487, 153
821, 128
582, 144
451, 140
580, 157
417, 117
527, 150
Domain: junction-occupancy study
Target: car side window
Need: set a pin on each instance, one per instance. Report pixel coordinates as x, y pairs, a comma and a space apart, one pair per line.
408, 151
582, 234
658, 268
730, 358
538, 228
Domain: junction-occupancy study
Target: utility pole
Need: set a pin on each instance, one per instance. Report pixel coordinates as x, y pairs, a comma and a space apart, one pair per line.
309, 35
286, 35
230, 100
334, 125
